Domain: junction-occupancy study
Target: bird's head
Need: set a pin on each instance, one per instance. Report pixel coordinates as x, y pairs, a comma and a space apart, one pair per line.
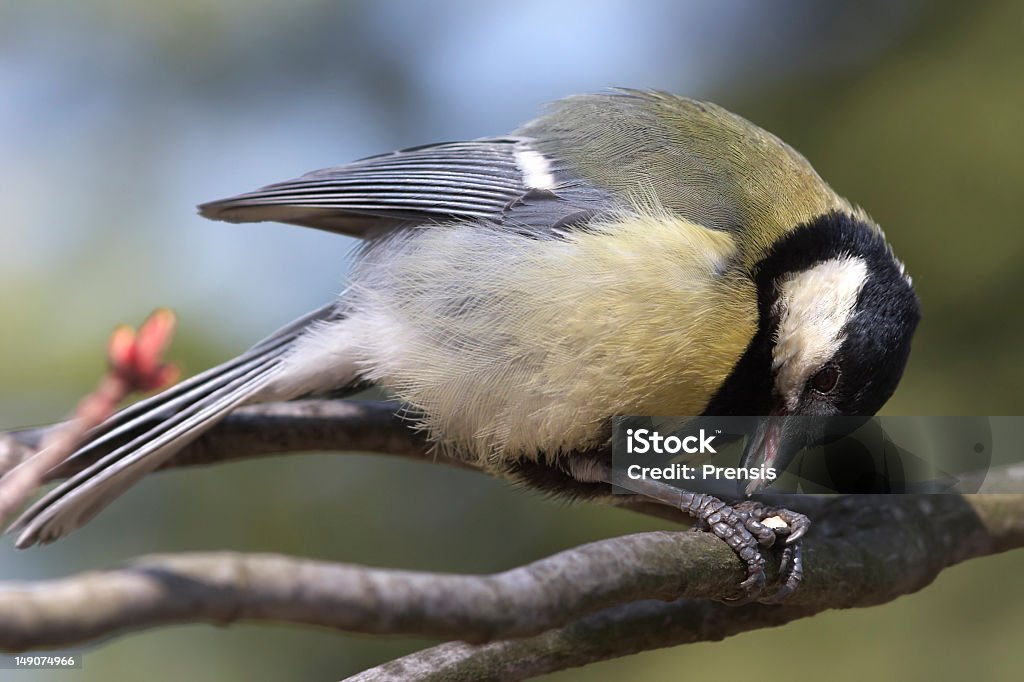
836, 316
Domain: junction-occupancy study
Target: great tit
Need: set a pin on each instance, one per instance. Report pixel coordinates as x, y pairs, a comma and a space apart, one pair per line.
627, 253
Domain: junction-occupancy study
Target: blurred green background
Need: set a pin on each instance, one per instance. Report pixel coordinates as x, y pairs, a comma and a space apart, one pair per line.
117, 117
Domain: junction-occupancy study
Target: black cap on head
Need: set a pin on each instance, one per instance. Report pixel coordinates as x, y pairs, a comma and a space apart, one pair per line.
877, 339
876, 334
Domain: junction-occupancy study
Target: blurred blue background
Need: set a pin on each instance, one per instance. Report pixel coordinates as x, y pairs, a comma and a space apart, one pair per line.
118, 117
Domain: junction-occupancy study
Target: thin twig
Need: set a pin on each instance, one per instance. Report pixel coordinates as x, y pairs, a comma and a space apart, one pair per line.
134, 365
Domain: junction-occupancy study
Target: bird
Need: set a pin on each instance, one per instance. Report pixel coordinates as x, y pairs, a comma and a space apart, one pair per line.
628, 252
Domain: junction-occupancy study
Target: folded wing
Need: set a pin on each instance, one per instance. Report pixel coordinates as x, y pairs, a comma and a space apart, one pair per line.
497, 180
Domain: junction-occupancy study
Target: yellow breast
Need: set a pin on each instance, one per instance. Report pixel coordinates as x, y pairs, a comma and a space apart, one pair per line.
530, 345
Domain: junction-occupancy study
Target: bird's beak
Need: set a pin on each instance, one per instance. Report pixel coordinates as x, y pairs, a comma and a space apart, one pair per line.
773, 444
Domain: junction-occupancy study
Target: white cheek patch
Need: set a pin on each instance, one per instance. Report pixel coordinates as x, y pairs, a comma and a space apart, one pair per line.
536, 169
814, 306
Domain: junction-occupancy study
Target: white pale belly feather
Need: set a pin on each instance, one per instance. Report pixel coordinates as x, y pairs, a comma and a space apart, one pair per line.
510, 346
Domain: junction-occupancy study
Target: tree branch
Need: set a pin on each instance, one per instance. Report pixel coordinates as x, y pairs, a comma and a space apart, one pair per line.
579, 606
343, 426
863, 551
271, 428
617, 631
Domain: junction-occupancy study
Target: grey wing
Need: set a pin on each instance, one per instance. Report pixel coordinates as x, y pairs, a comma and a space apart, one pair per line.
504, 181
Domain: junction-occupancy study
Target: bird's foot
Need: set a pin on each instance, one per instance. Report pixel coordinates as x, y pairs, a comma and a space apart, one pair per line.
748, 527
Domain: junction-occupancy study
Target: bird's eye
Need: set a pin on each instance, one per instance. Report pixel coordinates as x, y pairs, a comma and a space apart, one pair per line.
825, 379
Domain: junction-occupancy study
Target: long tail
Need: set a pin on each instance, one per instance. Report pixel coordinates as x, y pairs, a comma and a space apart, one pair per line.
143, 436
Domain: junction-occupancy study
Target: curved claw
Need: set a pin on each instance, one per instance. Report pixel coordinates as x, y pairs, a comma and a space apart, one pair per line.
789, 523
750, 589
800, 528
765, 535
747, 527
792, 567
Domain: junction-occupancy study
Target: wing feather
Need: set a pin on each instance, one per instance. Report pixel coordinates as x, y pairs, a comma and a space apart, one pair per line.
432, 183
483, 181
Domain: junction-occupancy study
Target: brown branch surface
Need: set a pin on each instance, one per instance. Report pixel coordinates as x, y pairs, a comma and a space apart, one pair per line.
617, 631
863, 551
273, 428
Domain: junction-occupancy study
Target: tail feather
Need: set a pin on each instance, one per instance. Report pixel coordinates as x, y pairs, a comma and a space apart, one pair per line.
145, 435
166, 401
